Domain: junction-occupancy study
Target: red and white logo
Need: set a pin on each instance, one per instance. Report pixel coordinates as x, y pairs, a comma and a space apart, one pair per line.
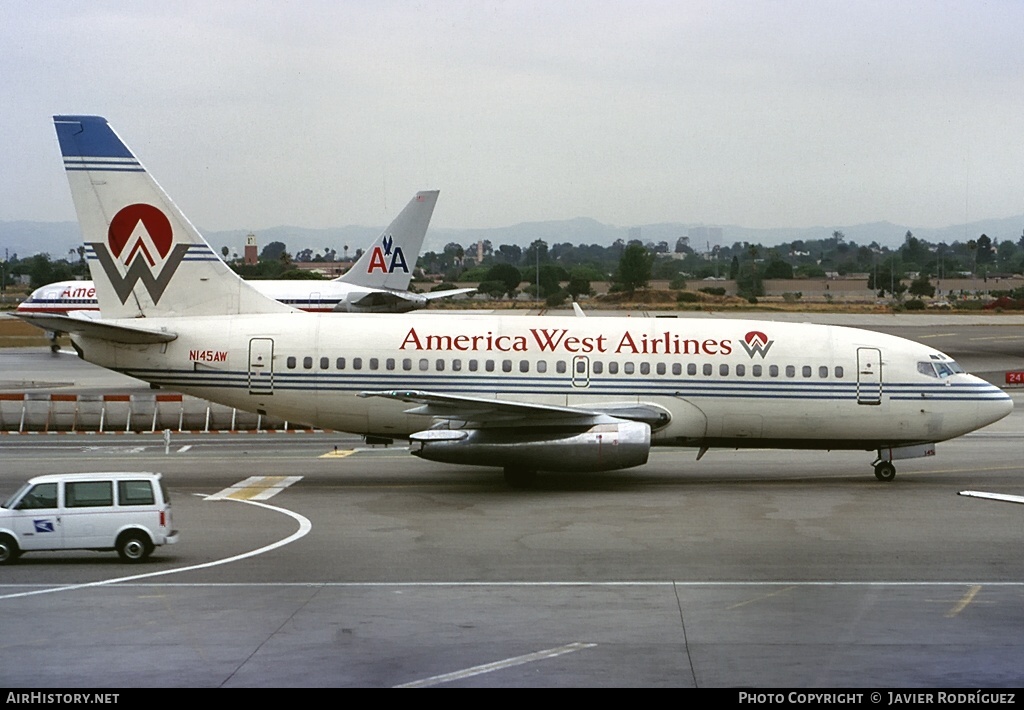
140, 236
756, 343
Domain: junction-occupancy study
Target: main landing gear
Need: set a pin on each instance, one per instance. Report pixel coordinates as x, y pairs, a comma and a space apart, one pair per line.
885, 471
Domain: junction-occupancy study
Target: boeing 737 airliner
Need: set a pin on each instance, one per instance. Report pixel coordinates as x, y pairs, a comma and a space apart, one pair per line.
521, 393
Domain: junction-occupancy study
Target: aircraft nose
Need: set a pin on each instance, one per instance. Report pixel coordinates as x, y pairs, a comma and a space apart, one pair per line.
995, 405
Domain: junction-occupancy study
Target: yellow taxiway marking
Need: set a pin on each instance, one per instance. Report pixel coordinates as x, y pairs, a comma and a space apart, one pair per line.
338, 454
256, 488
757, 599
964, 601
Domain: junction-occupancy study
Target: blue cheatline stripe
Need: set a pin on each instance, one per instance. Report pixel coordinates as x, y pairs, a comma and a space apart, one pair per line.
297, 382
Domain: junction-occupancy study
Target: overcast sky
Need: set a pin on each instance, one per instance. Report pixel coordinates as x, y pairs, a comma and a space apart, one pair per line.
318, 114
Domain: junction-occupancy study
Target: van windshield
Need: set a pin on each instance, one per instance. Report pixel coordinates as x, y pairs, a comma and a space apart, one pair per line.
10, 501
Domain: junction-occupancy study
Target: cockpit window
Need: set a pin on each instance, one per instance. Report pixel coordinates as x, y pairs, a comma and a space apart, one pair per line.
939, 369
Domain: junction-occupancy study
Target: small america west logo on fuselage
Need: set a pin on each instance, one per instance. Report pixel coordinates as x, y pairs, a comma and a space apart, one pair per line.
387, 258
139, 236
756, 343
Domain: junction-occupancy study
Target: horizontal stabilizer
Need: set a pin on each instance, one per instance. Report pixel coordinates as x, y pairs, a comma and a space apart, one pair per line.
99, 329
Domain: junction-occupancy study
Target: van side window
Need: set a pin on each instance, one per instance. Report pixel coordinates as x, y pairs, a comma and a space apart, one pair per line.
135, 493
87, 494
43, 495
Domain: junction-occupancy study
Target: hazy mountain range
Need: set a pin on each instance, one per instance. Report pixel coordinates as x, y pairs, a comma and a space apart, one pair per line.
58, 238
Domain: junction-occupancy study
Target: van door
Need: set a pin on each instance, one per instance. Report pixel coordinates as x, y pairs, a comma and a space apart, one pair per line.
88, 518
36, 519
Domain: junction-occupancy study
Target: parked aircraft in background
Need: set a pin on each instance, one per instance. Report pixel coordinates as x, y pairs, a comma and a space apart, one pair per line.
377, 283
521, 393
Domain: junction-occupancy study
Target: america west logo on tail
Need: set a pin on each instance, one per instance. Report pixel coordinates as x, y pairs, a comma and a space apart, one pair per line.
379, 260
140, 237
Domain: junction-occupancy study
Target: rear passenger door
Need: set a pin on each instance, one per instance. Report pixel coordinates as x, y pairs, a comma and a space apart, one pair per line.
88, 517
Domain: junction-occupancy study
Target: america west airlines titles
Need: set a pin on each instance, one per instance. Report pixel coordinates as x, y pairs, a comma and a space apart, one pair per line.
560, 340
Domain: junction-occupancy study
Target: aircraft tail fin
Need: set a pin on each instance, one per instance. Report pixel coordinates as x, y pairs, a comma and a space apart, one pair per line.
388, 264
145, 257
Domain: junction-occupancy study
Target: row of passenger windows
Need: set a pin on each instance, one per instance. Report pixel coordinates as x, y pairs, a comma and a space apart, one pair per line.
597, 367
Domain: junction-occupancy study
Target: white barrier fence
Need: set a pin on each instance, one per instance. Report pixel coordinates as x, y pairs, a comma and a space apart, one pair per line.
109, 413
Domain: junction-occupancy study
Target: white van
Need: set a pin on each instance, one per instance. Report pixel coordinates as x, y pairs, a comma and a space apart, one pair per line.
127, 512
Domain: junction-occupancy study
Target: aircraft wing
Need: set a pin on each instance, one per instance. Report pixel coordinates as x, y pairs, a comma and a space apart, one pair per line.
496, 411
994, 496
103, 330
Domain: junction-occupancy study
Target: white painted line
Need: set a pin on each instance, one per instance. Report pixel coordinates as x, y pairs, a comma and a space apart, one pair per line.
256, 488
304, 527
185, 448
497, 665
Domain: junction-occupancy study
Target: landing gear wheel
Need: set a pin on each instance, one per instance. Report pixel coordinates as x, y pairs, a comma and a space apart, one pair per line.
519, 477
885, 471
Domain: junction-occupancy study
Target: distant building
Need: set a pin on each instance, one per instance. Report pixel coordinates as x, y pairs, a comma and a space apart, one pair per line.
251, 251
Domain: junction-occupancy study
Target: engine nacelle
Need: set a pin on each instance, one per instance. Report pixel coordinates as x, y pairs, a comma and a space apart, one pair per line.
601, 447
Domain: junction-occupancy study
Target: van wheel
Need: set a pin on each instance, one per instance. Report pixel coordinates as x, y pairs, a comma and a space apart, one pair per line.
133, 547
9, 551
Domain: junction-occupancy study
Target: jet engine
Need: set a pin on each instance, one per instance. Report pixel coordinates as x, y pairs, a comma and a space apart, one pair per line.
607, 446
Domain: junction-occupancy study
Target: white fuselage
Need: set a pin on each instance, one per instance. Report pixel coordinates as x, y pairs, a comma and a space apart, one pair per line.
723, 382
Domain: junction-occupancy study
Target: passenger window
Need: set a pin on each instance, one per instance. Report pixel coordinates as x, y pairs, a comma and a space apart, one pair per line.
613, 368
542, 366
307, 363
756, 370
424, 364
806, 371
390, 364
135, 493
660, 369
325, 362
790, 371
723, 370
560, 367
439, 365
691, 369
741, 370
524, 365
489, 365
88, 494
374, 363
627, 368
707, 369
506, 366
473, 365
773, 370
645, 368
839, 372
290, 362
677, 369
456, 365
407, 363
339, 364
357, 363
41, 497
823, 372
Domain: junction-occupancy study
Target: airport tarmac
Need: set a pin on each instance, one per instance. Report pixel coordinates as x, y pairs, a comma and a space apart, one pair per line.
749, 568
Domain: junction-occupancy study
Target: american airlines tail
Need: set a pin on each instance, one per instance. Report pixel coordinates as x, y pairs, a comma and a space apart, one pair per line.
145, 257
389, 262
